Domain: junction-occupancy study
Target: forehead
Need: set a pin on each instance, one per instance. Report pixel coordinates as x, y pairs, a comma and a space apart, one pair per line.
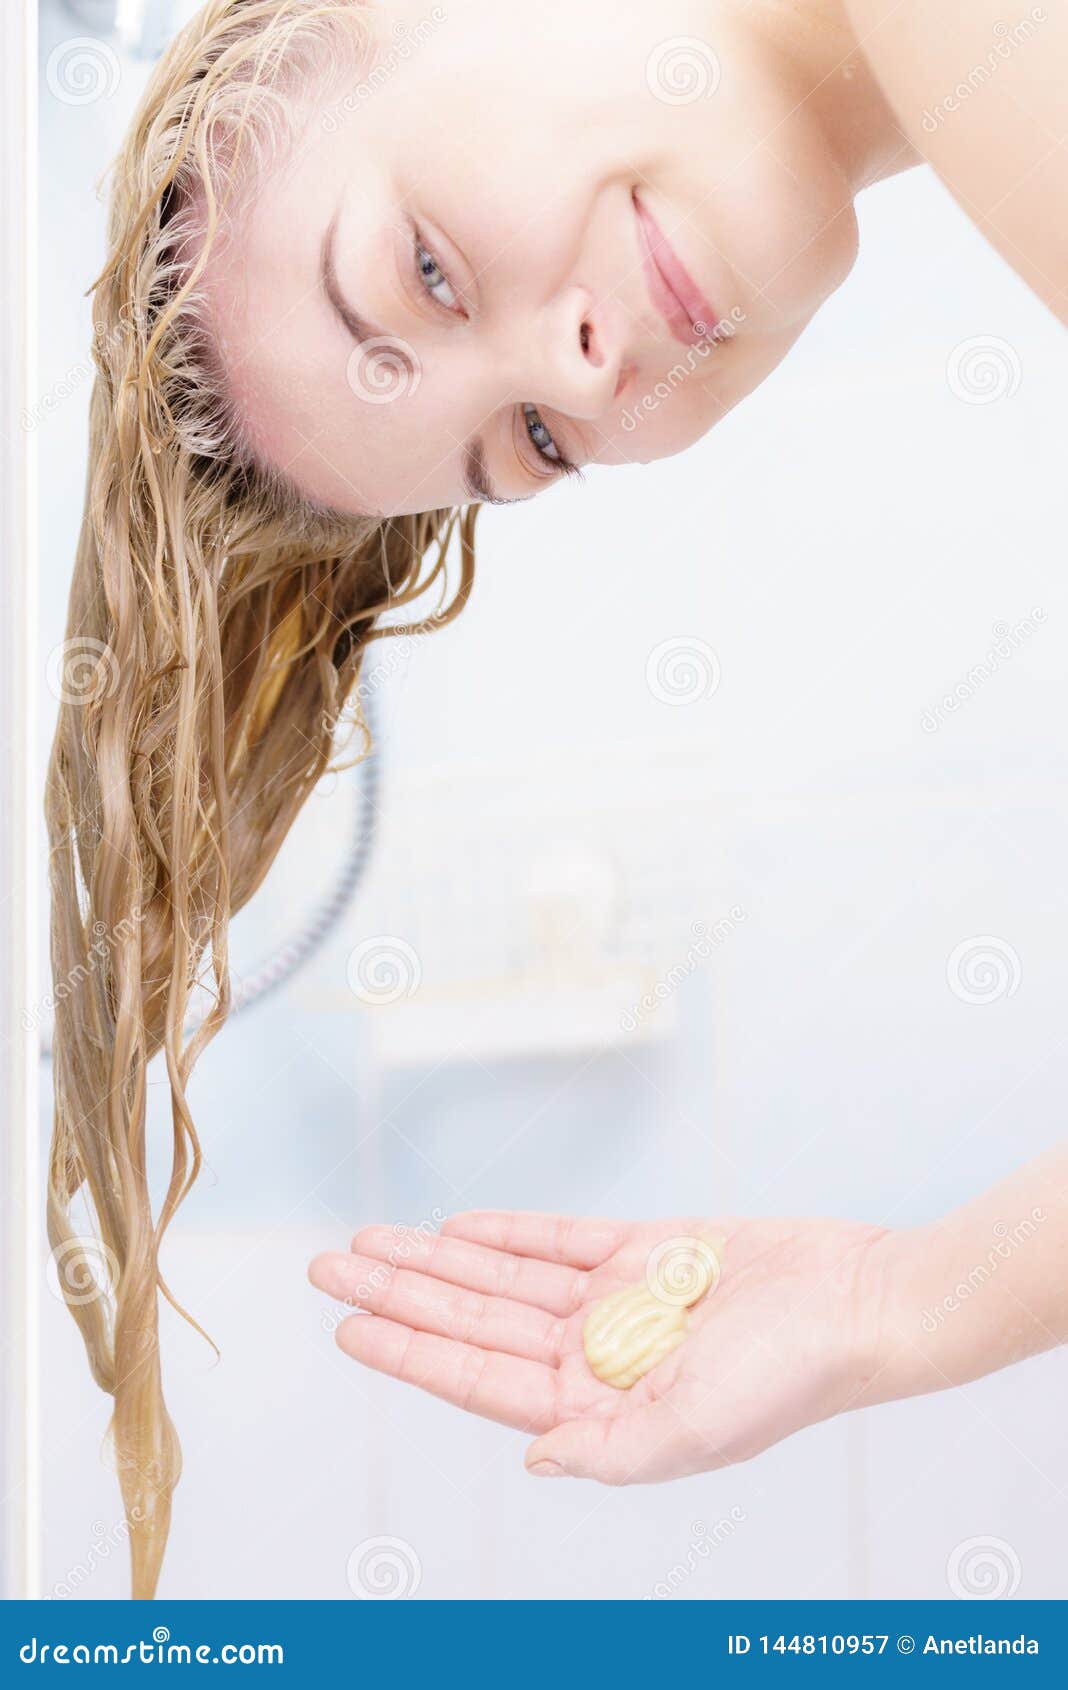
364, 429
388, 138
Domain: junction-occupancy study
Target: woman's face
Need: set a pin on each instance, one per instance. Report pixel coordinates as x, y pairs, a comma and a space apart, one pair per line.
448, 290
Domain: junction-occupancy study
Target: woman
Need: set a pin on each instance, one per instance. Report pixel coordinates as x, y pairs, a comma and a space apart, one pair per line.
371, 265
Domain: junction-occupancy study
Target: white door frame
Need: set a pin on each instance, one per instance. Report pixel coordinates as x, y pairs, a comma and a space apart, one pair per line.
20, 847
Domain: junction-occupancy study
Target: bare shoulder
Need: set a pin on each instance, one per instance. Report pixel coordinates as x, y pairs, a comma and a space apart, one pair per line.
981, 90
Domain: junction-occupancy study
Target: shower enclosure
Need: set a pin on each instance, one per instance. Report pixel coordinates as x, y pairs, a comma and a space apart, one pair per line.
657, 918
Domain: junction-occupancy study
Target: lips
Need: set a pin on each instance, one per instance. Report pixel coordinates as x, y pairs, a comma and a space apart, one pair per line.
672, 289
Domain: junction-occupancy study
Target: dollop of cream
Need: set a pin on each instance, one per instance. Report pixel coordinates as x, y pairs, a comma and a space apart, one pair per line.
631, 1331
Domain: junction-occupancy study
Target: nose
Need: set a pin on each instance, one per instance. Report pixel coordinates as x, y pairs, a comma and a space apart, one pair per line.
569, 355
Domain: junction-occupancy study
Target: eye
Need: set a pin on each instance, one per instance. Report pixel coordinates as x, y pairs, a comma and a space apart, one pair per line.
432, 277
540, 438
545, 446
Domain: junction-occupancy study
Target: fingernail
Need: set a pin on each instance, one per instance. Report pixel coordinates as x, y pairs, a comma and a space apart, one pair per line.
547, 1470
338, 1276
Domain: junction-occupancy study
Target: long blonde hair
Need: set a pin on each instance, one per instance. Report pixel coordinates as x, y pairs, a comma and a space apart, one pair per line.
216, 628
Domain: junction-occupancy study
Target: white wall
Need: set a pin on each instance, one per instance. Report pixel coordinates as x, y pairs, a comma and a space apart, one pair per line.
845, 543
19, 1227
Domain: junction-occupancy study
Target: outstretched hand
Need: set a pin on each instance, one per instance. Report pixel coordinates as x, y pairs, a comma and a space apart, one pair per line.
489, 1315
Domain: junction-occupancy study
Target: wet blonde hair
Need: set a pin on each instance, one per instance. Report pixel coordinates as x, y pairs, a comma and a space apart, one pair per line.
217, 624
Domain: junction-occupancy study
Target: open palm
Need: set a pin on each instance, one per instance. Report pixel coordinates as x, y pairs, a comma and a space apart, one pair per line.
489, 1315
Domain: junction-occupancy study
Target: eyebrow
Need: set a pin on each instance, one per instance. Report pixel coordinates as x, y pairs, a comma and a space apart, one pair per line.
476, 477
360, 328
477, 480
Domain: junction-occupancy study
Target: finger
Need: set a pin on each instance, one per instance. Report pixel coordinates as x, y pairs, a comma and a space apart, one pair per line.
430, 1305
639, 1446
546, 1285
517, 1393
551, 1238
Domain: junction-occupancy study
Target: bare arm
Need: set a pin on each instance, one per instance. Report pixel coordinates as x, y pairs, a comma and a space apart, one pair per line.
983, 1287
810, 1318
981, 90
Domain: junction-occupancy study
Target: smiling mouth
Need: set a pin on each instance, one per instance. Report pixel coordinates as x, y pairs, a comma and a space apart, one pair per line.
672, 289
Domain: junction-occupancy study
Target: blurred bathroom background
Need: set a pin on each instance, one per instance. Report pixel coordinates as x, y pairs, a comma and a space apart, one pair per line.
689, 891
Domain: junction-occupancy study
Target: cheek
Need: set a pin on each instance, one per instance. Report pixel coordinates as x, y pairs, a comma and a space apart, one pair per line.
817, 252
792, 220
660, 418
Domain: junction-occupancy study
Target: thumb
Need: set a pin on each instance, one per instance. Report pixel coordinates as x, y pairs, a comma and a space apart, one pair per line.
639, 1446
